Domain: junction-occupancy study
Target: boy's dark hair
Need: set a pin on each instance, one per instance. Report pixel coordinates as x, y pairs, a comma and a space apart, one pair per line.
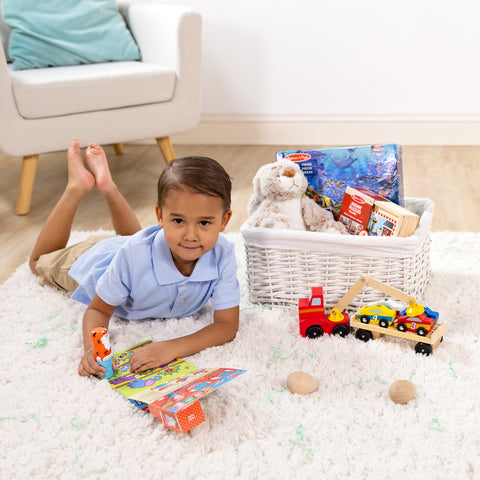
200, 174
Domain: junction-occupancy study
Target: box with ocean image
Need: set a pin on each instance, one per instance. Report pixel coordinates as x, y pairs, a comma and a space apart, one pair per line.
330, 171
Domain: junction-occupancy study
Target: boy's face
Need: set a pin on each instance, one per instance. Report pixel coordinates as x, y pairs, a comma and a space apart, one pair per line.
192, 222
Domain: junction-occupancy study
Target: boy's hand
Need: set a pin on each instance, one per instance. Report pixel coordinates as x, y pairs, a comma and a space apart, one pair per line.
151, 356
222, 330
97, 314
89, 366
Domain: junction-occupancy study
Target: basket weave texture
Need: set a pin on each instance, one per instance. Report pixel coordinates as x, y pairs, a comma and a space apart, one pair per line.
283, 265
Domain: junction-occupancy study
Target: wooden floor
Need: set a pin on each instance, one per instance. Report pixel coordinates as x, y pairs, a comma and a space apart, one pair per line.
448, 175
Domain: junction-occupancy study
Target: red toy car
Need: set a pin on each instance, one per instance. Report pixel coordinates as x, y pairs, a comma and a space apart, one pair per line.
420, 324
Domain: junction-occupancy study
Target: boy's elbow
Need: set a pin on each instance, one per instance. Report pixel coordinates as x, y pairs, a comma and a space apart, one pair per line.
233, 333
32, 263
229, 319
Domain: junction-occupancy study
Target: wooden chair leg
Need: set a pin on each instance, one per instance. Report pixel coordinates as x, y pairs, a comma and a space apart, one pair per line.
118, 147
166, 148
27, 177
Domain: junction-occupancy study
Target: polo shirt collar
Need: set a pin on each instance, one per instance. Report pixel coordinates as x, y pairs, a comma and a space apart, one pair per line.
167, 273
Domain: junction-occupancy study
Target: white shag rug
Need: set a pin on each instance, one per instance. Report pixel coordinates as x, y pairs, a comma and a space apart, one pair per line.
57, 425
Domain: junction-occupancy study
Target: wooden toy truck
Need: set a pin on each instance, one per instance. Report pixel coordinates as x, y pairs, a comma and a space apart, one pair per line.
314, 322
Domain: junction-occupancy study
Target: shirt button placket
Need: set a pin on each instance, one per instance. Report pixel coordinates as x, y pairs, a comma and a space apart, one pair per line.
182, 299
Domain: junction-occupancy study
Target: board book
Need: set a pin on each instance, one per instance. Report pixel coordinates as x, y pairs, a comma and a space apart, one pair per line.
330, 170
388, 218
129, 384
172, 391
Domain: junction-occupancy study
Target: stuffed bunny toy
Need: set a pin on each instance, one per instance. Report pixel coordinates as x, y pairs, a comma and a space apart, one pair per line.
278, 201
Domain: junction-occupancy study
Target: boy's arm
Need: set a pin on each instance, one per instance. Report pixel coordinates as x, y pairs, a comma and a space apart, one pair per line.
222, 330
98, 314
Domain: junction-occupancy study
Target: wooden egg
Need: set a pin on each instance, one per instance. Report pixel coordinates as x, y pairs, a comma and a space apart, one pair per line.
302, 383
401, 391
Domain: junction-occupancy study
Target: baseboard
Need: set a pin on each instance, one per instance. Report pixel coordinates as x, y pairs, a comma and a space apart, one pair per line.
334, 130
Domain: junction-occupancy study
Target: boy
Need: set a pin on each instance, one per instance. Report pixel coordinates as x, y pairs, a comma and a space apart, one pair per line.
169, 270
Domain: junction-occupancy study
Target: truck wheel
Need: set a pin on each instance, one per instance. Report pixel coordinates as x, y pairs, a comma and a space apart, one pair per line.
422, 331
314, 331
363, 335
401, 327
423, 348
383, 323
341, 330
364, 319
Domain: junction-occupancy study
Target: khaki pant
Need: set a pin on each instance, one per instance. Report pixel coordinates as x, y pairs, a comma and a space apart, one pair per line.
53, 267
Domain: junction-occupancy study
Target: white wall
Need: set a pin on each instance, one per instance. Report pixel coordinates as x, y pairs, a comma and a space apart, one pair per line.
339, 71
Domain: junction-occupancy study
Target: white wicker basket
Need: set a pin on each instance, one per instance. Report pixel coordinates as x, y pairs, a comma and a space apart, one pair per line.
283, 265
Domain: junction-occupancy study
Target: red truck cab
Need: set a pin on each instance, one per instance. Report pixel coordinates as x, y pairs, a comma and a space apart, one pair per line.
313, 320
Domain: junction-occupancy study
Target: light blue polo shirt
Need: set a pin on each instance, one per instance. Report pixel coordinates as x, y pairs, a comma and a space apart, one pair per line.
137, 273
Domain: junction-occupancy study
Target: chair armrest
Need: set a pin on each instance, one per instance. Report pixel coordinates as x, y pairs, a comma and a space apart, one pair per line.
170, 35
164, 33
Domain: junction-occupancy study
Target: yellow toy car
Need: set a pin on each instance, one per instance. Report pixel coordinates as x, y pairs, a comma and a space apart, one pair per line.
380, 313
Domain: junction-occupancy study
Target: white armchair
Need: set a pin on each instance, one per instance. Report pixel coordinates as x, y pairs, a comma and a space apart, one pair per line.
109, 103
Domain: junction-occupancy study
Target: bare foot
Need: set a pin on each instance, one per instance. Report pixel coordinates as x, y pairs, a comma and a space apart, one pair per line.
97, 162
79, 178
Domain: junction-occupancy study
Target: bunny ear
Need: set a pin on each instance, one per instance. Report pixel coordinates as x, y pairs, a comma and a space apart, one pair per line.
257, 198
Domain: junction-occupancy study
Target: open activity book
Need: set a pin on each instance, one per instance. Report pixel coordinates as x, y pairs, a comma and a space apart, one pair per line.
171, 392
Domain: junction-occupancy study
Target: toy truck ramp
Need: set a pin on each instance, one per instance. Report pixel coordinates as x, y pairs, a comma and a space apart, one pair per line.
425, 346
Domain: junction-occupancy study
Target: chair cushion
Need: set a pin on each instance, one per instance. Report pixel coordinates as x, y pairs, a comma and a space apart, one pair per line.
67, 32
48, 92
